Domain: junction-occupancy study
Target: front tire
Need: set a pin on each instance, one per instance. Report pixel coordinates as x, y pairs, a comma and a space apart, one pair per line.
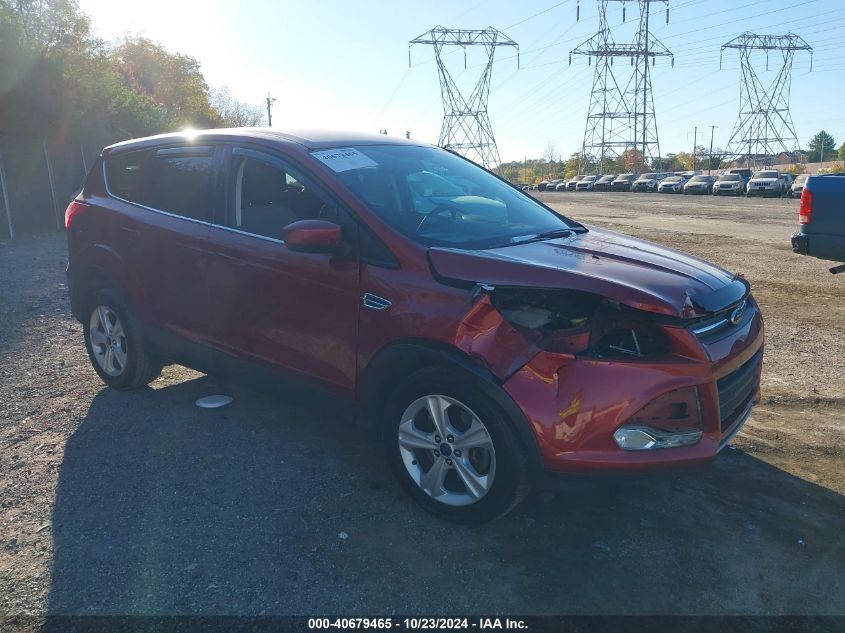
453, 450
115, 345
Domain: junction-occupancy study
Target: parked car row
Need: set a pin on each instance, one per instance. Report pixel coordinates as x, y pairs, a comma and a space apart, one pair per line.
733, 182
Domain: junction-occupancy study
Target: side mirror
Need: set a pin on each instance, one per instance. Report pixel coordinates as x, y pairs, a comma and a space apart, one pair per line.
312, 236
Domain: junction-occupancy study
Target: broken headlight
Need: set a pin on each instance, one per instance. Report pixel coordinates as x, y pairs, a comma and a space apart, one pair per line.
635, 342
574, 322
624, 335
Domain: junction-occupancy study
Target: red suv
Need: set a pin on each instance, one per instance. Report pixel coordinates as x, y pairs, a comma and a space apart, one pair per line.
492, 342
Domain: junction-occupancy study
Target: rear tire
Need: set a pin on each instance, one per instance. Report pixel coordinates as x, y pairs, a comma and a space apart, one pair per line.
478, 471
115, 344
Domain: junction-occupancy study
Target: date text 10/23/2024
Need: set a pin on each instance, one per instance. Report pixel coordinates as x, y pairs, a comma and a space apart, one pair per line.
417, 623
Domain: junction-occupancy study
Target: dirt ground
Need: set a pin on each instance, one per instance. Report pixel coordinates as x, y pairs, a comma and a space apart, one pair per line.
141, 503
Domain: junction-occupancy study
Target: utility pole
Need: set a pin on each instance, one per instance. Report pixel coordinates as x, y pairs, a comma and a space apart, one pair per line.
694, 141
270, 102
710, 158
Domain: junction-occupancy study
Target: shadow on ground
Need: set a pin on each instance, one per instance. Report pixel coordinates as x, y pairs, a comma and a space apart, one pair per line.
268, 508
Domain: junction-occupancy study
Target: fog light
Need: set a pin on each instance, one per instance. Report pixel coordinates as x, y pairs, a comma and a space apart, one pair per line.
634, 439
643, 438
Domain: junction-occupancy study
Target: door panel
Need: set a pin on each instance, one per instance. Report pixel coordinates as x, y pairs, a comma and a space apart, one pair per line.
175, 272
295, 311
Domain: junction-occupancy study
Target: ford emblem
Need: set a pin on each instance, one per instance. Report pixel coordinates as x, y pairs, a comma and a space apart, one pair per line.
736, 315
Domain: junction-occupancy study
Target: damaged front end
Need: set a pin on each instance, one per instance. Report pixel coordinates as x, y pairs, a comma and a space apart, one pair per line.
613, 347
605, 384
506, 327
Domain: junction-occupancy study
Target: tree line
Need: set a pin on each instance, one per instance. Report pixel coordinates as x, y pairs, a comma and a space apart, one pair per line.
60, 82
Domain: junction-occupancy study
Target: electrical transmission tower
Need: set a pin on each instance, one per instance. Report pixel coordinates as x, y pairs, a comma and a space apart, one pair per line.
621, 113
466, 125
764, 127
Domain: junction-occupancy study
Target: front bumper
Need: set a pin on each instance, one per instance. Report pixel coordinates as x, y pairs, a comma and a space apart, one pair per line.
575, 404
644, 187
800, 243
762, 191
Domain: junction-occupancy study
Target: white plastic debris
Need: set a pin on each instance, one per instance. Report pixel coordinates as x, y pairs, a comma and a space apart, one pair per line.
343, 536
213, 402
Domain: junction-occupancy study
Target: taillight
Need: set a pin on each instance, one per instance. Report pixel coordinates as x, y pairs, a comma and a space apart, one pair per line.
805, 211
74, 209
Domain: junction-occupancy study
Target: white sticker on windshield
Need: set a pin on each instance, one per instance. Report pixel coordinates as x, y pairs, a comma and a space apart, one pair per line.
344, 159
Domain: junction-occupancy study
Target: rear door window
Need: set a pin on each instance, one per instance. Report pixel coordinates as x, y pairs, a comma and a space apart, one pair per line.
181, 181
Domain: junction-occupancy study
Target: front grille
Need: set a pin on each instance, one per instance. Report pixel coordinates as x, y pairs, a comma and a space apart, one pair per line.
718, 325
736, 389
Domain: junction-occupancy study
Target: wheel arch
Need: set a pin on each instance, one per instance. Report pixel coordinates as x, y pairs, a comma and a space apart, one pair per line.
400, 359
102, 269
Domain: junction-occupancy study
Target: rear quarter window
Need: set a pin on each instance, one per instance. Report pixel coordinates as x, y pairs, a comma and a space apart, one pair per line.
124, 173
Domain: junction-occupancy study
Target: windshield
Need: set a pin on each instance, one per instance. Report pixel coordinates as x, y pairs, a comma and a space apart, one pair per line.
801, 179
606, 178
766, 174
700, 179
439, 199
671, 179
588, 178
729, 178
627, 177
647, 176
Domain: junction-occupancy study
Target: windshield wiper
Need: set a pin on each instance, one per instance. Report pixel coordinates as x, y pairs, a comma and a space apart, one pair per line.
547, 235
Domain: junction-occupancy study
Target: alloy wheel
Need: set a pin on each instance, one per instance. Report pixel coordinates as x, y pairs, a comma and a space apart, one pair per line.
447, 450
108, 340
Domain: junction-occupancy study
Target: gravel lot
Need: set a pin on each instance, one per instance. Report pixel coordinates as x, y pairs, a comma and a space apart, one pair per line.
141, 503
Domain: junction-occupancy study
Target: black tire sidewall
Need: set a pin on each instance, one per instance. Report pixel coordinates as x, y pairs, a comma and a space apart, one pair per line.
511, 479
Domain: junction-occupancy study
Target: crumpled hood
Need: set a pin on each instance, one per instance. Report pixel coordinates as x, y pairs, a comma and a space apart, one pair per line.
631, 271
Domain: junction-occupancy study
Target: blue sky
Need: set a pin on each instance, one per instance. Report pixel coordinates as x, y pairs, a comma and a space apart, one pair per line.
340, 64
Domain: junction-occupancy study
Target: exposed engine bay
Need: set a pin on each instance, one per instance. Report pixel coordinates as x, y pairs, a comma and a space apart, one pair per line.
508, 325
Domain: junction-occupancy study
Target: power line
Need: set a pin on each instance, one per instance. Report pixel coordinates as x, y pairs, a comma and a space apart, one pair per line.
621, 115
764, 126
466, 125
